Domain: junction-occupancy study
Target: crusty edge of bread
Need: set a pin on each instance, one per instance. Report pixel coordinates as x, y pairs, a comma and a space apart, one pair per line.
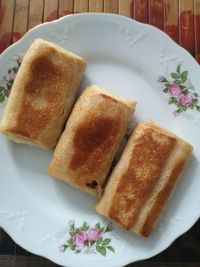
144, 223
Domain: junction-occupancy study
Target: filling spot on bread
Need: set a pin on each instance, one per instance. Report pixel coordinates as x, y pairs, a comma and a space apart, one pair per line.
150, 152
93, 184
92, 140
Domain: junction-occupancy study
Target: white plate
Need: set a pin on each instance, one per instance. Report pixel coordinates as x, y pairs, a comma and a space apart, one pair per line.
128, 58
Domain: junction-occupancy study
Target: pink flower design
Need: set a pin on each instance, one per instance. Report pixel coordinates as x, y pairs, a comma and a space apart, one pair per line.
185, 99
12, 75
94, 234
174, 89
79, 239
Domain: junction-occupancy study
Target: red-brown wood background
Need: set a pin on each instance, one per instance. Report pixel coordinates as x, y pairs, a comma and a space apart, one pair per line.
178, 18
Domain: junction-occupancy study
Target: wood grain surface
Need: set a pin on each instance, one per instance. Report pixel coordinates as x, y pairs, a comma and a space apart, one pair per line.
186, 25
35, 15
95, 5
20, 23
111, 6
180, 19
6, 23
197, 29
141, 11
81, 6
50, 10
171, 21
125, 8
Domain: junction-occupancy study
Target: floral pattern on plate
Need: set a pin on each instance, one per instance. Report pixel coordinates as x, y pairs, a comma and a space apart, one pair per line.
180, 91
88, 239
7, 81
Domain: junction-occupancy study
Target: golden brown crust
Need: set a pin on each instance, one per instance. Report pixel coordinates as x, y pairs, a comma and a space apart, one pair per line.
94, 138
42, 94
142, 182
148, 157
93, 133
161, 199
40, 103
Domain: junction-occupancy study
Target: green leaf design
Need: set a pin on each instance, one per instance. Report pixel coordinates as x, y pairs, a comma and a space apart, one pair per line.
98, 248
73, 247
165, 90
65, 247
72, 227
186, 87
164, 80
101, 250
98, 226
111, 248
15, 69
178, 111
5, 92
175, 75
85, 227
165, 84
172, 100
1, 88
18, 62
69, 241
108, 228
99, 241
9, 86
191, 106
184, 76
102, 229
72, 233
178, 69
2, 98
178, 81
106, 241
101, 245
195, 101
91, 243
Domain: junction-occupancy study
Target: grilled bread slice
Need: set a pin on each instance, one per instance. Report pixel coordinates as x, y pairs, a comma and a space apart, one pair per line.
93, 133
144, 178
42, 95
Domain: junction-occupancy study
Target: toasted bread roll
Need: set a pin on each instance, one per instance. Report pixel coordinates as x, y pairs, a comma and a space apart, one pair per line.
86, 149
42, 95
142, 182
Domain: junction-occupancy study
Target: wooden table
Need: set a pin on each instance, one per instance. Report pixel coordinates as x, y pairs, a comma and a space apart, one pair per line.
178, 18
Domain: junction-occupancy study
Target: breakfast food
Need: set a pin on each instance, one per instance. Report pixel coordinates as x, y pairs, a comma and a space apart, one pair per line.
93, 133
144, 178
42, 95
